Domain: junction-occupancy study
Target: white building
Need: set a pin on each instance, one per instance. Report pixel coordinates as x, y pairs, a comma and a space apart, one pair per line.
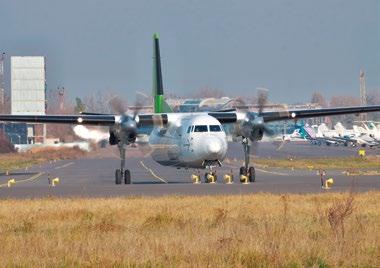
28, 90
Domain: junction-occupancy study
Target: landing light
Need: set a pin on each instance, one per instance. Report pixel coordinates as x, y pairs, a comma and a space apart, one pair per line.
80, 119
293, 115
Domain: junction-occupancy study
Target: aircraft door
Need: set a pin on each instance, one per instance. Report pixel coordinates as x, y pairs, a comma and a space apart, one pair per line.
187, 140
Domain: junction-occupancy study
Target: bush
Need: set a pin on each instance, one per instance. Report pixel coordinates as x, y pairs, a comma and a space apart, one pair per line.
5, 145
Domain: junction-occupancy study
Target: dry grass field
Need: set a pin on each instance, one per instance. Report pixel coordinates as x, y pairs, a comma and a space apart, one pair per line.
369, 162
260, 230
36, 156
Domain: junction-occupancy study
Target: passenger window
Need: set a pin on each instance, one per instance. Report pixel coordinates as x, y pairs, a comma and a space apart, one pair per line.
188, 129
201, 128
215, 128
192, 128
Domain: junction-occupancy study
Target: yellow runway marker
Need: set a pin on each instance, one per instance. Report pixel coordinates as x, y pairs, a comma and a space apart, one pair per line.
151, 172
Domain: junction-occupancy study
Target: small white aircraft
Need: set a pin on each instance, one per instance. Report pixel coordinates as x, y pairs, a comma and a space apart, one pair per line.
185, 140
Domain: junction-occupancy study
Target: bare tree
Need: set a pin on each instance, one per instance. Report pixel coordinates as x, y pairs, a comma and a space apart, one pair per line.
54, 106
207, 92
317, 97
373, 98
5, 145
344, 101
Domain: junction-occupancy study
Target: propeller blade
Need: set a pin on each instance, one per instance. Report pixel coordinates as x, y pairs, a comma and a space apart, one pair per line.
262, 98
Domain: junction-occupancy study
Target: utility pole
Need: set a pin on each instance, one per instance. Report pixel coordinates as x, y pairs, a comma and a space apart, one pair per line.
2, 86
363, 93
61, 95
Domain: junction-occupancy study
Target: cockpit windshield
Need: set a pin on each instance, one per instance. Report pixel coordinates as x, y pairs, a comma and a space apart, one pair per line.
200, 128
215, 128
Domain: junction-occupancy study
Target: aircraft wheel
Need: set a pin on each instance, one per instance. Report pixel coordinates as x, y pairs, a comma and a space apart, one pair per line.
215, 177
206, 177
242, 171
243, 175
251, 174
127, 177
118, 176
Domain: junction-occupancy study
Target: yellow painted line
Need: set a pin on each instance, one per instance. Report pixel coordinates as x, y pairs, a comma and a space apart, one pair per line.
32, 178
151, 172
271, 172
65, 165
25, 180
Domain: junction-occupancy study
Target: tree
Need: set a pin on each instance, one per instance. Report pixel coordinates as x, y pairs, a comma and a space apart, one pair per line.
344, 101
5, 145
207, 92
317, 97
373, 98
55, 106
79, 106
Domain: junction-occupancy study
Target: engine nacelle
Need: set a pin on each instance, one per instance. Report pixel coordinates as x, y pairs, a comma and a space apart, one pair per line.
124, 131
253, 127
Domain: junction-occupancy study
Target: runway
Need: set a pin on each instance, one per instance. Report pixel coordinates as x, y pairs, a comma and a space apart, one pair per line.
94, 176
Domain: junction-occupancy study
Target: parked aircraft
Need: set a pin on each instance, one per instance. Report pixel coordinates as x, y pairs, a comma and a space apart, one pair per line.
185, 140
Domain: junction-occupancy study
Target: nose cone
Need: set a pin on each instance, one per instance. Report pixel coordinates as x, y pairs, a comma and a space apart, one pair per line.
214, 146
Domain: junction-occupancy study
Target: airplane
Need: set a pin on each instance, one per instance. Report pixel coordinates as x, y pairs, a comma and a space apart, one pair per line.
315, 135
341, 136
370, 129
358, 135
185, 140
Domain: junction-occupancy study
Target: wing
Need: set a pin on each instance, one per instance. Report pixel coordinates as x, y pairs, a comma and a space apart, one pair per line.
233, 117
97, 120
298, 114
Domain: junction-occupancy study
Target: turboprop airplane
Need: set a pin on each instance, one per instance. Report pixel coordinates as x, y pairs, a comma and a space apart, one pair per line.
185, 140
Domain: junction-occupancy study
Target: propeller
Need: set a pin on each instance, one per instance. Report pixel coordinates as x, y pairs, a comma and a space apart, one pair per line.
253, 126
125, 129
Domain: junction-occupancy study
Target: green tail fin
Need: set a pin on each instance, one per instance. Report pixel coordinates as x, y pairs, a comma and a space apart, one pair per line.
160, 105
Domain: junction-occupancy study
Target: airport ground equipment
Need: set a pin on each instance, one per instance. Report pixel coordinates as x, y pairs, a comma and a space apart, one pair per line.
196, 179
328, 183
211, 177
229, 178
361, 152
11, 182
186, 140
54, 182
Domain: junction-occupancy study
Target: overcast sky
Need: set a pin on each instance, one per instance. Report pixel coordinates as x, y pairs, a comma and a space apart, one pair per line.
290, 47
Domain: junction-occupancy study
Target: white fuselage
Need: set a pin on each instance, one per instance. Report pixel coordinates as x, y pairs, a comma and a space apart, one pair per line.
189, 141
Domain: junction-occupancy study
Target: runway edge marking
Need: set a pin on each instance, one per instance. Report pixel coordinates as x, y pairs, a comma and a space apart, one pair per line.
65, 165
151, 172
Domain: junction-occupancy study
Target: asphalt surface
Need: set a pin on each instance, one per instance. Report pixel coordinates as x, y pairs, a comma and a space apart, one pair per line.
94, 176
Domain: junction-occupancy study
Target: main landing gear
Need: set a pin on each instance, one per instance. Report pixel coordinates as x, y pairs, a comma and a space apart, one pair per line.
247, 173
122, 174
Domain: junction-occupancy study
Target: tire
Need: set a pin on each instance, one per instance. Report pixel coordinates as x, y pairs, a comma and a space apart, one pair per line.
215, 177
206, 179
127, 177
118, 176
243, 171
252, 174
